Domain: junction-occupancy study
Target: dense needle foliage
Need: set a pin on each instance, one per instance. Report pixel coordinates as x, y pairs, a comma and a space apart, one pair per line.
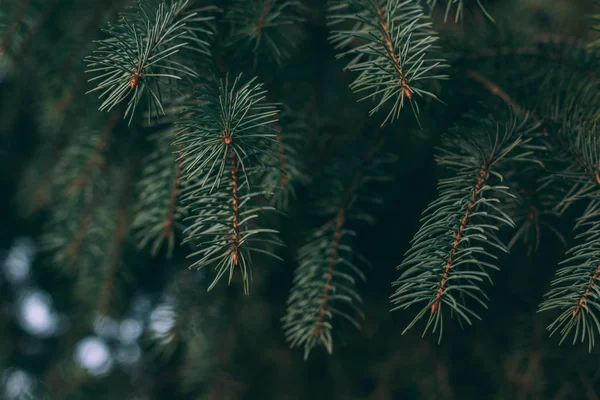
230, 199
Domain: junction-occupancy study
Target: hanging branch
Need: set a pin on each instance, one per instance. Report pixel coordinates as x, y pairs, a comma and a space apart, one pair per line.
77, 192
225, 142
575, 148
575, 289
391, 45
141, 55
159, 211
282, 181
533, 208
450, 255
113, 260
325, 280
266, 27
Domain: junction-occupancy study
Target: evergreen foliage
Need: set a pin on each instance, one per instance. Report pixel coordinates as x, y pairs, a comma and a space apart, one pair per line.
224, 142
269, 148
329, 269
159, 210
452, 253
391, 46
266, 28
141, 55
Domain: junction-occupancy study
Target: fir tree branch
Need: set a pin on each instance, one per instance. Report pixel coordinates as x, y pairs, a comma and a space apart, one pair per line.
168, 230
263, 16
494, 89
449, 256
576, 290
225, 143
281, 181
480, 179
159, 211
79, 189
267, 27
96, 158
577, 147
534, 207
391, 46
141, 55
111, 266
113, 260
282, 157
102, 7
325, 280
81, 229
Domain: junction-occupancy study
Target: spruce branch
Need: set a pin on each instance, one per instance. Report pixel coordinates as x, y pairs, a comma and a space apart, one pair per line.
76, 192
282, 181
532, 201
391, 45
575, 290
533, 209
574, 148
140, 56
267, 27
159, 211
184, 317
112, 266
452, 253
226, 141
325, 280
567, 54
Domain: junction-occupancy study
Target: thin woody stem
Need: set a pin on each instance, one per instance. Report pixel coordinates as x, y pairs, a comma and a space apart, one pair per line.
339, 221
482, 176
387, 41
264, 15
235, 202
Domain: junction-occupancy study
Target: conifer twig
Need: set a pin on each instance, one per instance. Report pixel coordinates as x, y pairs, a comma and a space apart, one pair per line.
324, 282
452, 252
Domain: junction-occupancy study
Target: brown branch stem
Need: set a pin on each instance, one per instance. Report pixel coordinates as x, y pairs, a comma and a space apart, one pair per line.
95, 157
583, 298
387, 41
264, 15
235, 202
81, 229
339, 221
593, 173
169, 220
480, 180
112, 264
